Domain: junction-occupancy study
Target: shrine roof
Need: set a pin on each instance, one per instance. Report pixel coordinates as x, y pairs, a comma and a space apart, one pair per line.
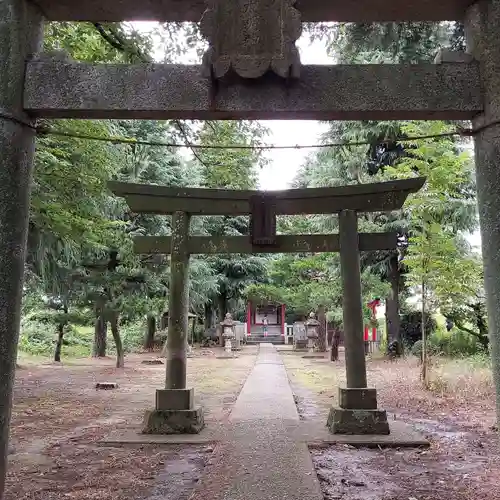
312, 10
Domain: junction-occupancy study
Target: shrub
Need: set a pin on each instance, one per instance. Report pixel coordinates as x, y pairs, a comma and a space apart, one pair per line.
411, 327
452, 344
416, 349
456, 343
39, 338
132, 335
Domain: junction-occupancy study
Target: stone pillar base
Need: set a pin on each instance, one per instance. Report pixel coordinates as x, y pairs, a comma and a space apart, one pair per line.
357, 399
342, 421
174, 421
174, 399
175, 413
358, 413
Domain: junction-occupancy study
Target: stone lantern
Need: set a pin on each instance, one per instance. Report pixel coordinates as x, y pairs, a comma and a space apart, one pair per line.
312, 335
228, 332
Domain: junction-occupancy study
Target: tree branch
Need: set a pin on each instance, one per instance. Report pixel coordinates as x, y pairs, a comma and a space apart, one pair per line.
468, 330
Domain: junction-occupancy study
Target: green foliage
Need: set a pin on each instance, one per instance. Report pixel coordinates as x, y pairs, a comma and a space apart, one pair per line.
411, 326
432, 348
406, 42
39, 338
231, 168
54, 317
307, 282
227, 276
455, 343
265, 294
450, 200
437, 256
468, 313
403, 42
133, 335
69, 197
416, 348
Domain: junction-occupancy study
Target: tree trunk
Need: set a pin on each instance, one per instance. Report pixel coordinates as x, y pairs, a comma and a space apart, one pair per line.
393, 322
120, 356
209, 317
100, 333
149, 339
334, 351
193, 330
164, 321
222, 302
60, 336
424, 339
482, 327
321, 329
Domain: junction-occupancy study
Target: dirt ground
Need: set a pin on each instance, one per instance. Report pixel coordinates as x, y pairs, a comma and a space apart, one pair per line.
59, 417
457, 416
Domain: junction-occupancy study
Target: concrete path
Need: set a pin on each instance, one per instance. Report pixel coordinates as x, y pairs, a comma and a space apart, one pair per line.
259, 457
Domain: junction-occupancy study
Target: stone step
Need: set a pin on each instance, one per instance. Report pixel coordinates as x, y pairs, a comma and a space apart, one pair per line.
273, 339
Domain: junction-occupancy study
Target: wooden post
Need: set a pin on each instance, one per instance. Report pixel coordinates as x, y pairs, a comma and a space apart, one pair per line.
21, 30
352, 302
178, 304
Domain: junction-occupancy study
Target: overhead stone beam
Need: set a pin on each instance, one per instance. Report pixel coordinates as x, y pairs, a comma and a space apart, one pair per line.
311, 10
162, 200
56, 89
290, 243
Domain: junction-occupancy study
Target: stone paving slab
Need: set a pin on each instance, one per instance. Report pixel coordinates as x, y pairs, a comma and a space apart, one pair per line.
134, 437
402, 436
314, 434
259, 457
266, 408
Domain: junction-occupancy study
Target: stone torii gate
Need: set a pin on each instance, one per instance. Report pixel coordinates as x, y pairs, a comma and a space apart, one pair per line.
175, 411
32, 86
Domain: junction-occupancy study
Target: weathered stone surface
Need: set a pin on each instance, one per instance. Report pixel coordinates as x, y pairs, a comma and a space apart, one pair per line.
284, 244
374, 197
312, 325
174, 421
342, 421
311, 10
152, 361
251, 37
452, 56
106, 386
174, 399
482, 29
357, 399
20, 37
300, 345
263, 219
158, 92
178, 304
352, 306
228, 326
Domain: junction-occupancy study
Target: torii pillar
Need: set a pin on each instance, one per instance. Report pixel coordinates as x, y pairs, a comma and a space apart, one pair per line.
21, 26
482, 28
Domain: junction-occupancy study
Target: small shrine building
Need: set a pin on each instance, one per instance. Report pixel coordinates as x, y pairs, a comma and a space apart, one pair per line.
255, 318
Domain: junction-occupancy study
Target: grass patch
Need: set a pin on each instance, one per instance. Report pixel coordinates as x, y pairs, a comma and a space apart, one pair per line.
463, 379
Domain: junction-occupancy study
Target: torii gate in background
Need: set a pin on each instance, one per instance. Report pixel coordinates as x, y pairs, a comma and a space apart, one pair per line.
460, 87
